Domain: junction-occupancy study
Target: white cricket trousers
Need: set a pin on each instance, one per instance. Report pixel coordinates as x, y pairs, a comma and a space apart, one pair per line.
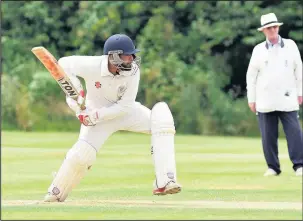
136, 121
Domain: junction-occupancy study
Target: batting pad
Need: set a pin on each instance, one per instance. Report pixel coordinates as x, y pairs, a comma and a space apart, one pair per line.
74, 167
163, 149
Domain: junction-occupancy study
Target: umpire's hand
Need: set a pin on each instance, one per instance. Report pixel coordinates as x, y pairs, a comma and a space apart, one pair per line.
252, 107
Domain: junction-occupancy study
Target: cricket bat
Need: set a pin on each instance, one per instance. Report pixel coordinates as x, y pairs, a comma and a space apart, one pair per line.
57, 72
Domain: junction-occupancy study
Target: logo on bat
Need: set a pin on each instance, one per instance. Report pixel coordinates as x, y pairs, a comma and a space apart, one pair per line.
66, 86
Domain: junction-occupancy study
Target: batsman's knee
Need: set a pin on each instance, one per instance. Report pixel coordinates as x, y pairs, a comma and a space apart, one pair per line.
162, 120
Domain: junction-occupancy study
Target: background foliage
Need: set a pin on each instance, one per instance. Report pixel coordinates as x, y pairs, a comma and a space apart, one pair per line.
194, 56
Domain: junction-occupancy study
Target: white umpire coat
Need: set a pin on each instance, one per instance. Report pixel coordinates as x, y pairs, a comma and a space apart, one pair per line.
274, 76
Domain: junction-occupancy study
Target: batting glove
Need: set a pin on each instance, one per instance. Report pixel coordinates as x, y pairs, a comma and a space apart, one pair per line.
88, 118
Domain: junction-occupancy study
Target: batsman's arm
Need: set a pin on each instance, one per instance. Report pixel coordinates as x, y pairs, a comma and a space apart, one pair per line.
85, 67
81, 66
124, 105
68, 67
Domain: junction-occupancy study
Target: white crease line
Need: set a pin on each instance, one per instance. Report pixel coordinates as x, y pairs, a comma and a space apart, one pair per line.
182, 204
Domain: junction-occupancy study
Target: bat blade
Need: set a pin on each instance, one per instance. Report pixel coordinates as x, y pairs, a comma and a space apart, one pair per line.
51, 64
57, 72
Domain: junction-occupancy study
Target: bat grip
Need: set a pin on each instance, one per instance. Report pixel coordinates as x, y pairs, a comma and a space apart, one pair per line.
82, 106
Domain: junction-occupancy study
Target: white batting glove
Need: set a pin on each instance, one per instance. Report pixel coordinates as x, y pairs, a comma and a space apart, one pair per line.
76, 104
88, 118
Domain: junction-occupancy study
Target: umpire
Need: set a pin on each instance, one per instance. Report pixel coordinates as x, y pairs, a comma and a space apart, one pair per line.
274, 91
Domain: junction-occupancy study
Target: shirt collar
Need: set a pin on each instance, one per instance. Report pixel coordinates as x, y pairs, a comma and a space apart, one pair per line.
269, 44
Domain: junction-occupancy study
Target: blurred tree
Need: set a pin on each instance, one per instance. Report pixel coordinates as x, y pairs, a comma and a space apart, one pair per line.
194, 55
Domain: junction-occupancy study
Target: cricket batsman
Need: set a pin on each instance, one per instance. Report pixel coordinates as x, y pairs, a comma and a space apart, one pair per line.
112, 82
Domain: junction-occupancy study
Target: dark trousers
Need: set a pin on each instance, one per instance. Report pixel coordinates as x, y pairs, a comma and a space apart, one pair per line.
268, 123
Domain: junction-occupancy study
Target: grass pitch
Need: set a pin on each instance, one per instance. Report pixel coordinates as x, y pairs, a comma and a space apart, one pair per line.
222, 178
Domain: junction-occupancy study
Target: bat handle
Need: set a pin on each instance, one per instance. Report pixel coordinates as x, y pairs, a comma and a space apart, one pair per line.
82, 106
81, 95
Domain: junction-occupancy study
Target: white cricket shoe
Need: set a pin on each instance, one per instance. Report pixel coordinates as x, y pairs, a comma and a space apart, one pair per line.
299, 171
270, 172
170, 188
50, 198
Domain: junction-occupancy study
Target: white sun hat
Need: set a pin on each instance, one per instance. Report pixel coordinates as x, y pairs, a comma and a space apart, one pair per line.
269, 20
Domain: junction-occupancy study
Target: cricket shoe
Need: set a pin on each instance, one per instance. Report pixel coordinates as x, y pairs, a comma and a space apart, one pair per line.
299, 171
170, 188
52, 196
49, 197
270, 172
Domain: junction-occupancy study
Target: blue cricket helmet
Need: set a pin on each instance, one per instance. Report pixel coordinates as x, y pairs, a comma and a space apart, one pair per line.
121, 43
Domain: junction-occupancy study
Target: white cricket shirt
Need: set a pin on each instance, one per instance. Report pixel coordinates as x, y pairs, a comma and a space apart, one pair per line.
113, 95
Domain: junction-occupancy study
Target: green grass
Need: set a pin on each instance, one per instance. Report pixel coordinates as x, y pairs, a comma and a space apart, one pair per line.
226, 169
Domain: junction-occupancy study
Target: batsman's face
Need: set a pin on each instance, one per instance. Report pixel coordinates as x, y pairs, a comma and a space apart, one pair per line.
127, 60
271, 32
